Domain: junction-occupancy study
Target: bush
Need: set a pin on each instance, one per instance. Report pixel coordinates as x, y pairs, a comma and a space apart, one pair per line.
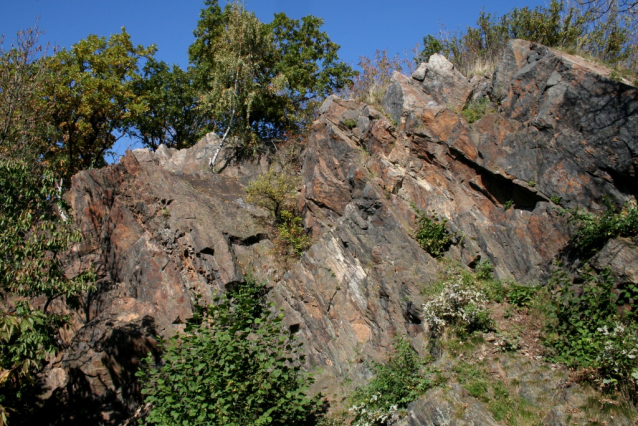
292, 239
397, 383
275, 191
521, 295
235, 364
477, 109
592, 231
593, 325
460, 304
35, 232
432, 234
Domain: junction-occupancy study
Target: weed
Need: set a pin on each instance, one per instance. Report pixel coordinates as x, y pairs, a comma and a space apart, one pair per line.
458, 305
593, 325
432, 234
508, 205
521, 295
275, 191
503, 405
531, 183
349, 123
594, 230
474, 110
484, 270
398, 382
556, 199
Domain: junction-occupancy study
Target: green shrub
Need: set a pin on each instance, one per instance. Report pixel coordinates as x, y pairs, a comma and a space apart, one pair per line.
484, 270
460, 304
275, 191
398, 382
235, 364
521, 295
35, 232
474, 110
349, 123
292, 239
594, 230
432, 234
593, 325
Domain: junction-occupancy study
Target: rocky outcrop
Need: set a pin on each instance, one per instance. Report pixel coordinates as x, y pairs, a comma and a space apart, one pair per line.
161, 229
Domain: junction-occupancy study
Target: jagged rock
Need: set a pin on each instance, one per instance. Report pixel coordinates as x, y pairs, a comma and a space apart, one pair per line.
577, 128
620, 255
440, 79
161, 227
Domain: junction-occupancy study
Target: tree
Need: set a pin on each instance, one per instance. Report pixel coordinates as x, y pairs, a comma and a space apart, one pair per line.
34, 233
234, 365
22, 80
92, 99
309, 61
230, 58
611, 6
262, 80
173, 117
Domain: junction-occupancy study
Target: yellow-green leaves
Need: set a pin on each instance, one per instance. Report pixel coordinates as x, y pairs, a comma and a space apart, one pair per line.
92, 98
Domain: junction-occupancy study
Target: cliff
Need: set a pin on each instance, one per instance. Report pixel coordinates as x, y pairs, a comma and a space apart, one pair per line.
160, 227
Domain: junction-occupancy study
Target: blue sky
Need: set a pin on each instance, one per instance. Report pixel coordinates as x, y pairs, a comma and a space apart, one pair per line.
360, 27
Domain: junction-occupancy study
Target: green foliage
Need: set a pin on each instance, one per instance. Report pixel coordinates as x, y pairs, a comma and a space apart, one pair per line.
521, 295
22, 80
33, 236
593, 325
592, 231
398, 382
556, 199
91, 98
484, 270
292, 239
474, 110
262, 80
608, 37
457, 300
349, 123
432, 234
508, 205
276, 191
173, 117
235, 364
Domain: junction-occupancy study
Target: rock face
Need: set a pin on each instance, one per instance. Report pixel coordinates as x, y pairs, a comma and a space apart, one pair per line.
160, 227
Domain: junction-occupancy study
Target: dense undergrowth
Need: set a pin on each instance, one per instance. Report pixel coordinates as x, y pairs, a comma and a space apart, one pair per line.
234, 364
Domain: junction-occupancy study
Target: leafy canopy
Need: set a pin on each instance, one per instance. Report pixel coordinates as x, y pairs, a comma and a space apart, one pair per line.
261, 80
33, 235
173, 117
92, 99
235, 364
